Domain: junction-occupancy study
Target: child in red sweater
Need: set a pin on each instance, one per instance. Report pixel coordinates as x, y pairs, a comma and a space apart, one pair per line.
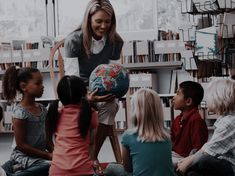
189, 131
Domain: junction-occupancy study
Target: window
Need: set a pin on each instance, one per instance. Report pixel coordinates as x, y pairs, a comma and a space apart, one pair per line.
131, 15
22, 19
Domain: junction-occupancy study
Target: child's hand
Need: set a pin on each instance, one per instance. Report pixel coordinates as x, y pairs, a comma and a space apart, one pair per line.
92, 97
184, 164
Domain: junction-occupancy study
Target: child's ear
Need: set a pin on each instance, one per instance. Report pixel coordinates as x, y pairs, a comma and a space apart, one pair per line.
189, 101
22, 86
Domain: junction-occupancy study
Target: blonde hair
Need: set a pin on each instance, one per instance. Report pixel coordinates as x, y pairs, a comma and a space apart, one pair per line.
147, 115
220, 96
92, 7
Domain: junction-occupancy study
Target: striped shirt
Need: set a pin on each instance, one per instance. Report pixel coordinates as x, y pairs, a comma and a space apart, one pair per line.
222, 143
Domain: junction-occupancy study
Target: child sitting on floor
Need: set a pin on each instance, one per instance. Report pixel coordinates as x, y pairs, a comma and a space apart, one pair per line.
146, 149
188, 131
74, 129
217, 156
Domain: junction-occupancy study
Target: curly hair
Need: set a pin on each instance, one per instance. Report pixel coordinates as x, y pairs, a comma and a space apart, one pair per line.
12, 79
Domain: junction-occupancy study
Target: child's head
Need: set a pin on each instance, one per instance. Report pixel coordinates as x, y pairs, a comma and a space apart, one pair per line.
147, 114
25, 80
71, 89
220, 96
188, 95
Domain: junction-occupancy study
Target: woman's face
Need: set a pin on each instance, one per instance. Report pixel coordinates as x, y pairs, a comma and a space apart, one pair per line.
100, 24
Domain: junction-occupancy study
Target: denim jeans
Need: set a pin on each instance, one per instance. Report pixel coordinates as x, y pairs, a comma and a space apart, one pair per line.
36, 169
210, 166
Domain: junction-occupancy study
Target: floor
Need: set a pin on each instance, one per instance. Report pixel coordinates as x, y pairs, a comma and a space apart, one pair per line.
105, 155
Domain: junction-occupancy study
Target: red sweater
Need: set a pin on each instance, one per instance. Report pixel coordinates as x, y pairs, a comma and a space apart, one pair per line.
188, 133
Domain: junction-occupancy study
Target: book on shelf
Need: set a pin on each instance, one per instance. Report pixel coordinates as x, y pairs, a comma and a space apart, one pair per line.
173, 85
206, 49
127, 53
18, 44
6, 49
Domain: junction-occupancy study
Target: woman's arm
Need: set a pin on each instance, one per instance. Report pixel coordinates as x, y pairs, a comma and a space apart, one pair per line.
127, 162
92, 97
20, 133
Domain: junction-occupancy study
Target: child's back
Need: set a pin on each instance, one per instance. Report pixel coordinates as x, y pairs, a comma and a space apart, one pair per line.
71, 152
148, 158
73, 127
147, 147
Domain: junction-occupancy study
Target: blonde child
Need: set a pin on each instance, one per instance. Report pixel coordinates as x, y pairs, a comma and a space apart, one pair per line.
74, 129
146, 149
29, 156
217, 156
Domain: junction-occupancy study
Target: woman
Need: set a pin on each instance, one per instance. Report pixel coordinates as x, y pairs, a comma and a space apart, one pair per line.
95, 42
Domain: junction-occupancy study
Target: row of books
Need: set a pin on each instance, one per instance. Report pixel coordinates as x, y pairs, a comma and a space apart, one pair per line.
152, 51
37, 58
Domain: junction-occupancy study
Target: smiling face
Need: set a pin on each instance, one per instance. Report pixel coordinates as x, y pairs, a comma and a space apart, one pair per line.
100, 24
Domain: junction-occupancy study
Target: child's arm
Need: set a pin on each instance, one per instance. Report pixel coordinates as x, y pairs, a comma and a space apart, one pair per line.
185, 163
127, 162
199, 134
20, 133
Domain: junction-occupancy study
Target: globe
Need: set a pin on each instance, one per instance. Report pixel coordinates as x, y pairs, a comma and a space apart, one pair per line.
109, 78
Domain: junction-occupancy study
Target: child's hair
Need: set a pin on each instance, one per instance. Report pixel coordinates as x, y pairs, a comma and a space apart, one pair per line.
71, 91
192, 90
12, 79
220, 96
147, 115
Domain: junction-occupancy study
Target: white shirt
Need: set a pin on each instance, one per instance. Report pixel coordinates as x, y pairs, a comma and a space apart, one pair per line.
97, 45
71, 65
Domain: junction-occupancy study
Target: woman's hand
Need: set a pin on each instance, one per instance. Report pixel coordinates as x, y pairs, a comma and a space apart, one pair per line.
184, 164
92, 97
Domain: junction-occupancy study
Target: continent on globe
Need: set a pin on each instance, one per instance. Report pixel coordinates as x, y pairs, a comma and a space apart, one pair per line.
109, 78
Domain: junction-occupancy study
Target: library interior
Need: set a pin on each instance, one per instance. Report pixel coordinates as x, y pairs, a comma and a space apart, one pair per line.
172, 79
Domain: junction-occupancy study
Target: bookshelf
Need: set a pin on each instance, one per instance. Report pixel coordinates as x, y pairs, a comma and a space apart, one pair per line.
29, 54
211, 38
151, 64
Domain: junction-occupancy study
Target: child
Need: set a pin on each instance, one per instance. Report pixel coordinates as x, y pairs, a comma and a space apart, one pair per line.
74, 128
188, 131
146, 149
217, 156
29, 156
